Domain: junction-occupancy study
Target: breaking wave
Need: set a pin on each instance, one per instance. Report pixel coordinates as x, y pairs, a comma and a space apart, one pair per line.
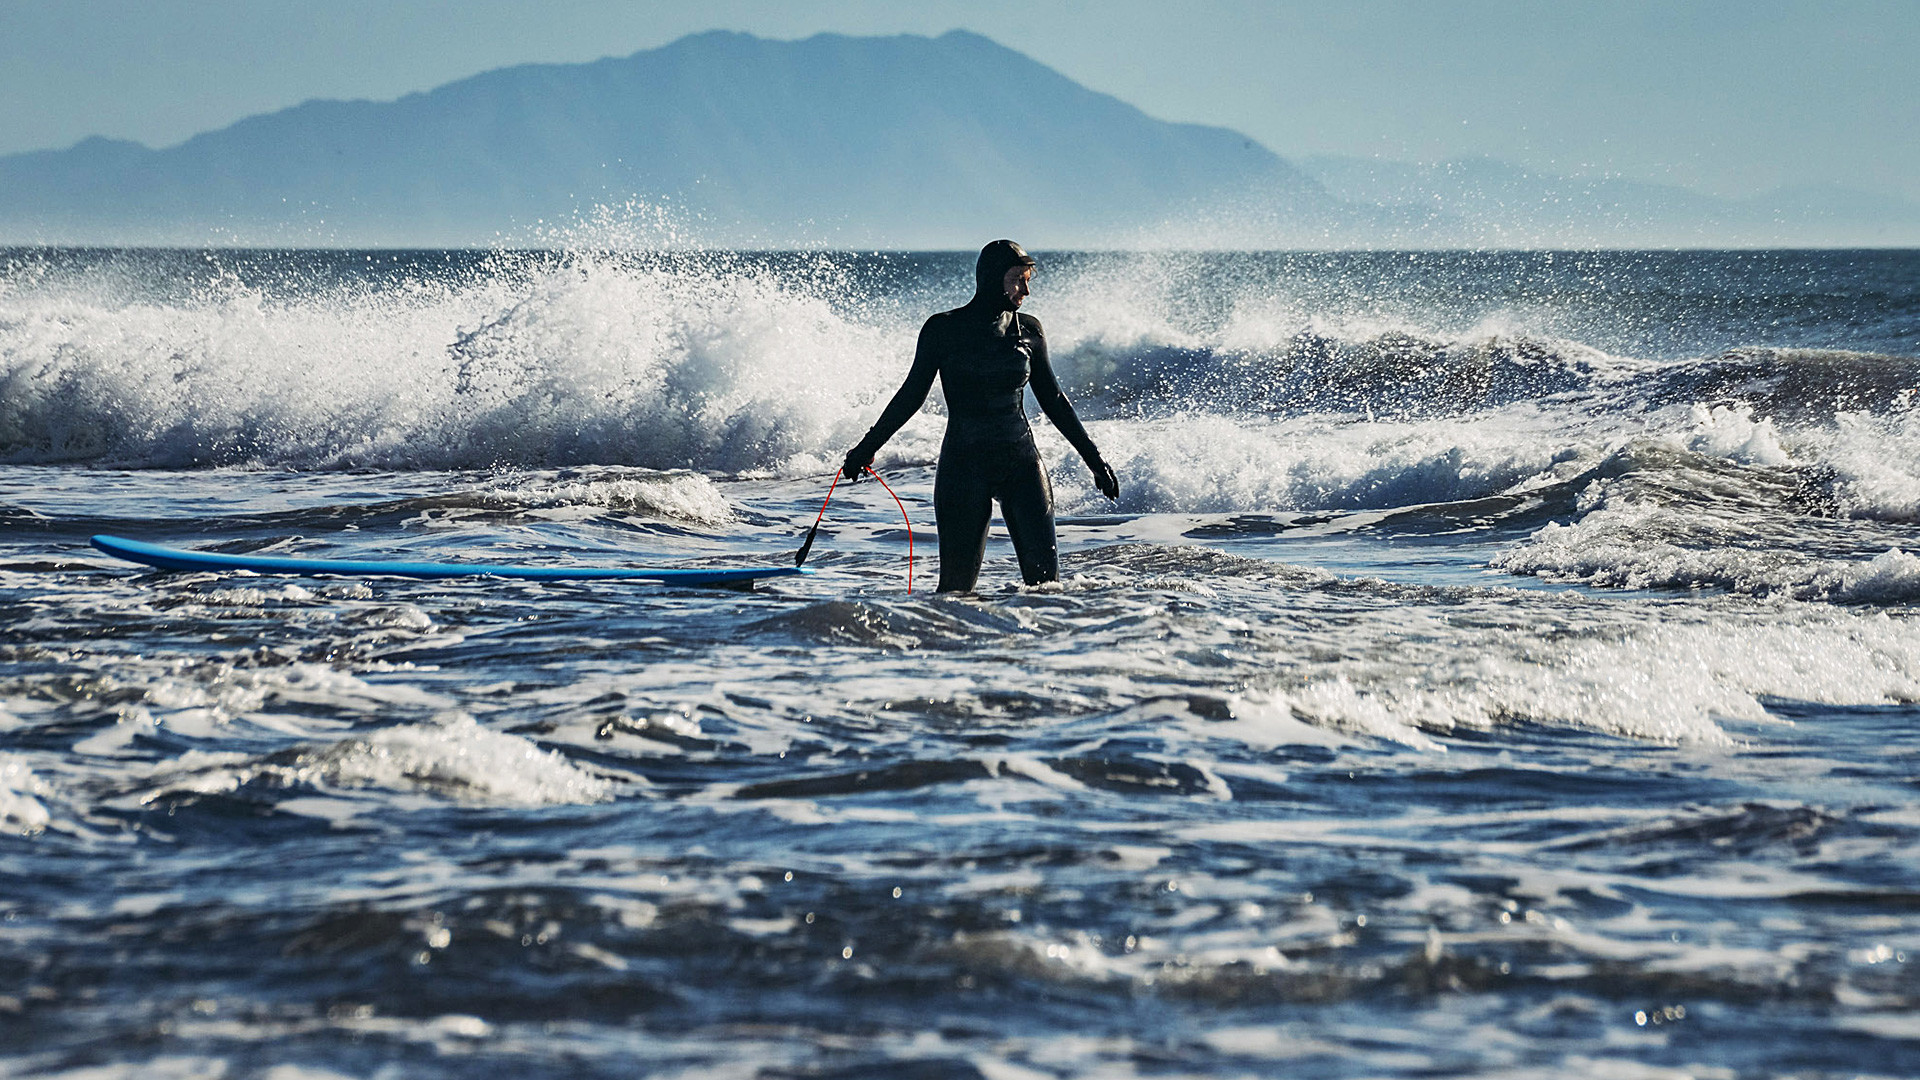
581, 360
641, 372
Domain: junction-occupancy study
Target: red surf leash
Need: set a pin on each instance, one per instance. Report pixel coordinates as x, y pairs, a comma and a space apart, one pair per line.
807, 546
903, 517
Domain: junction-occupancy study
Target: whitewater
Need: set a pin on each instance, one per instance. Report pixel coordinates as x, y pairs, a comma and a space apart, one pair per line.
1497, 664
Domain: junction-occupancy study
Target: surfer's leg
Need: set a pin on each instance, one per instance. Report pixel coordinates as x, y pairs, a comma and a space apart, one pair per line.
1026, 502
962, 507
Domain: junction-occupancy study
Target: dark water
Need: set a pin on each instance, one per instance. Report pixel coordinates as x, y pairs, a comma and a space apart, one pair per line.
1497, 665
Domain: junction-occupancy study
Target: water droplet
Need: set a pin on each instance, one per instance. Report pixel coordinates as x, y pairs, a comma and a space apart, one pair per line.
846, 953
1640, 1018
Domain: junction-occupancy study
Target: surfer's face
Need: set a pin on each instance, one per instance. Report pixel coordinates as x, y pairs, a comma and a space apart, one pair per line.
1017, 280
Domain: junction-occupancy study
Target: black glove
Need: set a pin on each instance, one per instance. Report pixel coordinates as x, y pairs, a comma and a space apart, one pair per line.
856, 464
1104, 479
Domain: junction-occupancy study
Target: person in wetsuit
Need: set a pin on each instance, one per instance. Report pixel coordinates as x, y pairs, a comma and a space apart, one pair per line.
986, 353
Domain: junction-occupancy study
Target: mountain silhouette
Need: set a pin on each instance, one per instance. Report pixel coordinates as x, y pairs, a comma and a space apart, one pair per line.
1485, 203
847, 141
835, 141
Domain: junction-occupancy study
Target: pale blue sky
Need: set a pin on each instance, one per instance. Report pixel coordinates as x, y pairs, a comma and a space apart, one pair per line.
1728, 97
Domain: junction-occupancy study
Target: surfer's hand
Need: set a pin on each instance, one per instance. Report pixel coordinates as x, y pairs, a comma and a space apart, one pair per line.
1104, 479
856, 464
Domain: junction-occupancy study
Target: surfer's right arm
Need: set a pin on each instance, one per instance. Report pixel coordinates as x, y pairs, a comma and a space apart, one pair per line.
906, 401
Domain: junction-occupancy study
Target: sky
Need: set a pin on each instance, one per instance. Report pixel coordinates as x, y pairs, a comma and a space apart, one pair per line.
1729, 98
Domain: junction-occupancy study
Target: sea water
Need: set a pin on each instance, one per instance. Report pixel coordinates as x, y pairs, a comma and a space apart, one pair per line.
1495, 665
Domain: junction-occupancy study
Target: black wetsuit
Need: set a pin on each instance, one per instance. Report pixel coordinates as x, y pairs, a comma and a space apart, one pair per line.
986, 353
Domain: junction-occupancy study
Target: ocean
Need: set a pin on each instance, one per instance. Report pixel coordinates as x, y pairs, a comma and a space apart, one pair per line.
1496, 665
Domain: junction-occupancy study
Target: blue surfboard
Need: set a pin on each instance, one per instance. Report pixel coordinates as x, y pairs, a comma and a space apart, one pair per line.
167, 558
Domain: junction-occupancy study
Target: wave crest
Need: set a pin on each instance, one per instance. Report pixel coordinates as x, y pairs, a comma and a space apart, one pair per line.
589, 360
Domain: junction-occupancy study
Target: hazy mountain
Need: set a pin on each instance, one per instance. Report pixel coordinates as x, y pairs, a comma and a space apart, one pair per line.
1480, 202
900, 141
841, 141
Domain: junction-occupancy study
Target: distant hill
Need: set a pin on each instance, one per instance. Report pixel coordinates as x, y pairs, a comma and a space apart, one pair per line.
895, 141
844, 142
1481, 202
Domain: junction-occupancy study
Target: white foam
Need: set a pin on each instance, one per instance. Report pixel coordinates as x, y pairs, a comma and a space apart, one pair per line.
596, 359
1205, 463
159, 1067
1622, 546
459, 758
1113, 309
1653, 678
1889, 578
1337, 704
1631, 544
1875, 462
1731, 432
1677, 516
1670, 681
681, 496
21, 811
456, 758
202, 700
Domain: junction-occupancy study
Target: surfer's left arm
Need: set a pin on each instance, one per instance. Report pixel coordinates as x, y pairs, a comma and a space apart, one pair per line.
1053, 401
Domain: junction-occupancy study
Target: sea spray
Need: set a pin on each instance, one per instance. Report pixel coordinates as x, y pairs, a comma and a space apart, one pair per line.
580, 359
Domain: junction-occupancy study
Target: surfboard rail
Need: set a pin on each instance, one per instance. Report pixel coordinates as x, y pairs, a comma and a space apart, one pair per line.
162, 557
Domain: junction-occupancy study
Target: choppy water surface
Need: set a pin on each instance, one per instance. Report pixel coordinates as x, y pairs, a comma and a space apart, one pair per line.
1497, 665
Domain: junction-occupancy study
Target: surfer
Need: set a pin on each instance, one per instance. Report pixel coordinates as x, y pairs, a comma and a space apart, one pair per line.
986, 353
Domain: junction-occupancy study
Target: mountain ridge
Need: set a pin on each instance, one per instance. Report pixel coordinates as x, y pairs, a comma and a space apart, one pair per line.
833, 141
826, 139
1480, 201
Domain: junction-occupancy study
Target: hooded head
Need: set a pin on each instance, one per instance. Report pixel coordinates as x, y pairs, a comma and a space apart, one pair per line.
990, 273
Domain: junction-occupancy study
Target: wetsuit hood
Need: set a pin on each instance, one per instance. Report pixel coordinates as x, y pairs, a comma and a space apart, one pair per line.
990, 274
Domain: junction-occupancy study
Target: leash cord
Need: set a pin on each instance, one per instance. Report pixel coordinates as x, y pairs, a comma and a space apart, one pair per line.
903, 517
